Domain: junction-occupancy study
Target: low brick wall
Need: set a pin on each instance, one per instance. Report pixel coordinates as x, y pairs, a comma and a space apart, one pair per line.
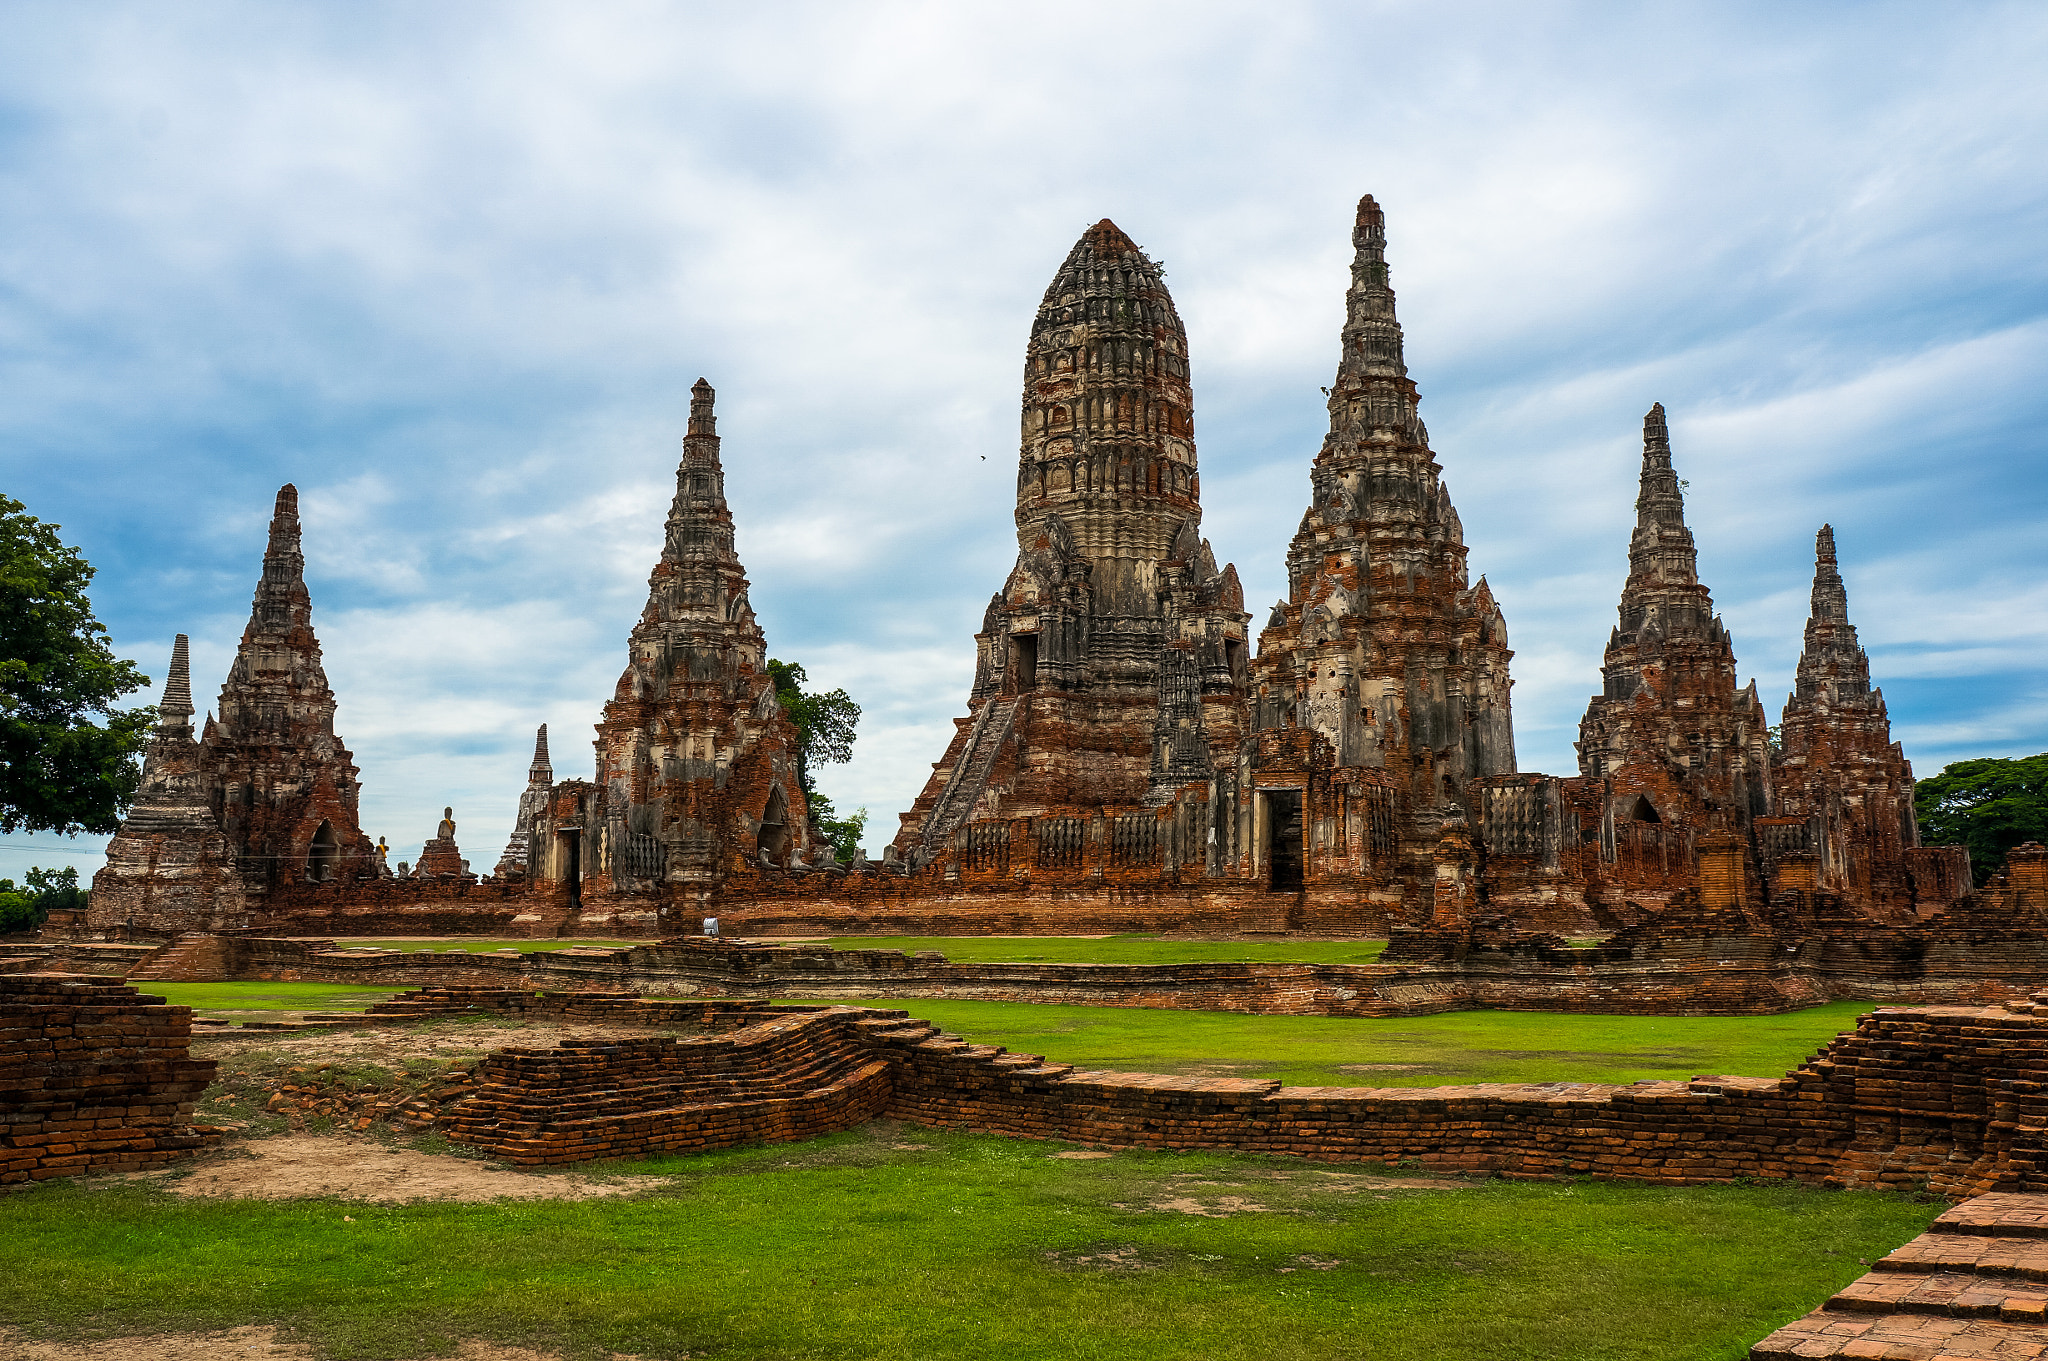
1672, 972
786, 1078
94, 1077
1952, 1098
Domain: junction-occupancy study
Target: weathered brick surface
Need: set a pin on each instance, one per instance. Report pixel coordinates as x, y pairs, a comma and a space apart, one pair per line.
94, 1077
1951, 1098
1966, 1290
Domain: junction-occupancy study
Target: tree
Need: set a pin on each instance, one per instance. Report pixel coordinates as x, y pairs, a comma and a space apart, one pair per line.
64, 772
46, 891
825, 723
1989, 805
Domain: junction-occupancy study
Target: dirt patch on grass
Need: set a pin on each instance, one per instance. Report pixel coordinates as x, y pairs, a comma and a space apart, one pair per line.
455, 1037
294, 1166
241, 1344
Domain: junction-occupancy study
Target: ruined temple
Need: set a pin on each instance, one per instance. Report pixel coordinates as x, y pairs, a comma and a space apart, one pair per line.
169, 866
517, 861
1674, 741
696, 761
283, 786
1844, 788
1381, 684
1123, 763
1110, 668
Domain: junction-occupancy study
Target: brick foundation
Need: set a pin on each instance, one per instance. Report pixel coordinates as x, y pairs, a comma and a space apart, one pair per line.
93, 1078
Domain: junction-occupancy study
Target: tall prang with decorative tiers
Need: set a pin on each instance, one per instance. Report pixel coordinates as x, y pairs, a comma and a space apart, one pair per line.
1109, 669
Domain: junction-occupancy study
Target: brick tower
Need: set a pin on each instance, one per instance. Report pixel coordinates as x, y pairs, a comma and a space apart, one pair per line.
1671, 735
168, 867
696, 761
1382, 648
1837, 765
283, 787
1383, 669
1109, 669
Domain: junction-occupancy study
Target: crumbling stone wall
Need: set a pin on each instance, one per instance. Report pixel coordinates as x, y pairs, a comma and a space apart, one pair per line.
94, 1077
1946, 1097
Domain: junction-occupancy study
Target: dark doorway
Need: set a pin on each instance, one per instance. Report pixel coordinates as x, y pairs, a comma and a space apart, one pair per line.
1641, 811
325, 851
1283, 839
774, 838
572, 866
1023, 663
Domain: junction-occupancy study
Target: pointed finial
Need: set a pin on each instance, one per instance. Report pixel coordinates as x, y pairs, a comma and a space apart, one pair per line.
176, 709
541, 771
1830, 595
1659, 502
1370, 229
1109, 239
703, 418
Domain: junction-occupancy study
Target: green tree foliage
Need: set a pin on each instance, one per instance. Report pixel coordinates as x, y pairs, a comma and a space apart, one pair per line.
69, 755
843, 833
1989, 805
825, 722
29, 905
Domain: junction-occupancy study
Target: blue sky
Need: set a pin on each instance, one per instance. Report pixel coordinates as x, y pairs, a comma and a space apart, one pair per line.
452, 269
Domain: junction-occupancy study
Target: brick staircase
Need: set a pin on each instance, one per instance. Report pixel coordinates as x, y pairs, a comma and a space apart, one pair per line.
1974, 1287
192, 957
991, 729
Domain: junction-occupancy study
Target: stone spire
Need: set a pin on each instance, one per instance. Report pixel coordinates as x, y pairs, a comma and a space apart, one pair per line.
1837, 766
168, 866
1672, 733
541, 772
517, 861
1108, 663
696, 760
286, 786
1382, 648
175, 711
1833, 668
1106, 472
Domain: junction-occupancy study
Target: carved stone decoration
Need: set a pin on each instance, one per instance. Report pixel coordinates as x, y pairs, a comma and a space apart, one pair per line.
1110, 666
697, 768
1837, 767
1382, 650
283, 786
168, 868
1674, 739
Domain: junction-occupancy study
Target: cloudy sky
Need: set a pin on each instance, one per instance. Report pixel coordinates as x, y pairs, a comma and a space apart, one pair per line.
452, 268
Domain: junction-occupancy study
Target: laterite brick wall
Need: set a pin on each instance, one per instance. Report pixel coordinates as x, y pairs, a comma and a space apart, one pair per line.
93, 1078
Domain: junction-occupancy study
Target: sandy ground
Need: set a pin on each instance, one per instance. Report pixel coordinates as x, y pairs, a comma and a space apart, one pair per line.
291, 1165
235, 1344
457, 1039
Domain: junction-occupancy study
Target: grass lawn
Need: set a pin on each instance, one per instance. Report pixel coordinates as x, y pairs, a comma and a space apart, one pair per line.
474, 946
894, 1242
1414, 1051
216, 998
1121, 949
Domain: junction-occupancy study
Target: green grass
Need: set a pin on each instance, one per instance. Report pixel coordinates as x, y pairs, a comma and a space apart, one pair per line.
213, 998
474, 946
1416, 1051
1122, 949
965, 1246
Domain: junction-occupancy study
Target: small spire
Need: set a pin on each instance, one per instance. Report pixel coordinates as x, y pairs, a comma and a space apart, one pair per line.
1660, 501
1830, 595
176, 709
283, 548
1372, 332
540, 772
703, 420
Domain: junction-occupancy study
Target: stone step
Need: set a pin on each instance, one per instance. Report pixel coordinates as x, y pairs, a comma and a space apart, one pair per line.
1917, 1336
2026, 1258
2001, 1214
1957, 1294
